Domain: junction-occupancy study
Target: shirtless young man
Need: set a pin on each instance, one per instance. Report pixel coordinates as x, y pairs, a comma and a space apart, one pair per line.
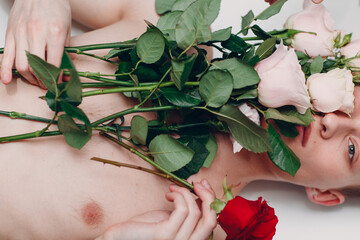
52, 191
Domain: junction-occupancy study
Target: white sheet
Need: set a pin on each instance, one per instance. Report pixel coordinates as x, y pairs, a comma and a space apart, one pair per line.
299, 219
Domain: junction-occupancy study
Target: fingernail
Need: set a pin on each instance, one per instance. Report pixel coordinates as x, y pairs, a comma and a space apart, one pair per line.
199, 185
205, 183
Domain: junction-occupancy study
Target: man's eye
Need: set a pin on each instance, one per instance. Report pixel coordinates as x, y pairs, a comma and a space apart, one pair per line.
351, 150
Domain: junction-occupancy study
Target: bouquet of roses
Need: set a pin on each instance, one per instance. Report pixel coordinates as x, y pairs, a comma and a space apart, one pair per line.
279, 74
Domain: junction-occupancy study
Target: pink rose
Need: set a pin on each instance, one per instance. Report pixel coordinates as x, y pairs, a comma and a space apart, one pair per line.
282, 81
352, 49
332, 91
313, 18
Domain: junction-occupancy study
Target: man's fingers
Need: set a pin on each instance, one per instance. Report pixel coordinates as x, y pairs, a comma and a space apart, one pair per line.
193, 215
208, 220
317, 1
8, 60
55, 44
21, 62
178, 216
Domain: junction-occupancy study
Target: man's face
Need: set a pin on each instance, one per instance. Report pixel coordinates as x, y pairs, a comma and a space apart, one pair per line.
329, 150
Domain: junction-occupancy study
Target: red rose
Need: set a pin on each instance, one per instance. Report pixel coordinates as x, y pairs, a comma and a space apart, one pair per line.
242, 219
270, 1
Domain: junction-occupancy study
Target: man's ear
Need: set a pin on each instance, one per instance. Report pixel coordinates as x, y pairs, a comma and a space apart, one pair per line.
325, 197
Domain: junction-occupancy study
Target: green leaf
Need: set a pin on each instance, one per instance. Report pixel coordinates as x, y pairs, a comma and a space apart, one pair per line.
235, 44
181, 70
246, 94
163, 6
167, 24
150, 46
193, 167
266, 48
251, 136
271, 10
215, 87
139, 129
282, 156
289, 114
73, 88
211, 146
243, 74
287, 129
147, 73
246, 21
194, 23
170, 153
181, 5
74, 136
116, 52
46, 72
259, 32
75, 112
221, 35
124, 67
316, 65
301, 55
184, 99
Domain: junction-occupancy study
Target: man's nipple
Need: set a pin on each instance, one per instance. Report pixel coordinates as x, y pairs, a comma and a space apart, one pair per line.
92, 214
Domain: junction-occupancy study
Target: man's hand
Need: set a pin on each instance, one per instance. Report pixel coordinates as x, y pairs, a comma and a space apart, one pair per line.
41, 27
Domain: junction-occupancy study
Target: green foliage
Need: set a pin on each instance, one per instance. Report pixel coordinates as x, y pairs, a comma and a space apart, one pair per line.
282, 156
139, 130
211, 146
167, 24
243, 74
216, 87
266, 48
163, 6
271, 10
246, 21
290, 115
316, 65
197, 161
235, 44
181, 70
46, 72
73, 88
157, 68
150, 46
170, 153
251, 136
221, 35
184, 99
194, 24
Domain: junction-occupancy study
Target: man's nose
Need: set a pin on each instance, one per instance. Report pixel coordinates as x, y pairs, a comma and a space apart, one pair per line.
333, 123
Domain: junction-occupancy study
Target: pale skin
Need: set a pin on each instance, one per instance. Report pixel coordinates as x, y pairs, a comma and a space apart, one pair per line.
46, 179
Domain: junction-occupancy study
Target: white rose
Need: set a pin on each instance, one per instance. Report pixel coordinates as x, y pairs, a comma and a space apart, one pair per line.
332, 91
352, 49
313, 18
282, 82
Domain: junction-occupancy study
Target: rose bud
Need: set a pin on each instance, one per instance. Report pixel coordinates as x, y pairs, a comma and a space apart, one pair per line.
282, 82
244, 219
332, 91
352, 49
316, 19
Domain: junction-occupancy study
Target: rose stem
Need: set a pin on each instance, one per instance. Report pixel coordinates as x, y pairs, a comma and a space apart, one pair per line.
120, 164
149, 160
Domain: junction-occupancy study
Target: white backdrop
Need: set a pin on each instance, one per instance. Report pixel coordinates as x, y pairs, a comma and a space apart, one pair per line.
299, 219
